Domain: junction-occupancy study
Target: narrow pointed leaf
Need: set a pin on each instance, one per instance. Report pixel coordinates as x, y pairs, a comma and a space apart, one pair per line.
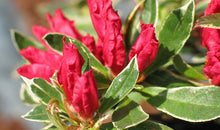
123, 83
186, 69
55, 41
22, 42
107, 126
194, 104
173, 35
209, 21
27, 97
128, 114
37, 114
150, 12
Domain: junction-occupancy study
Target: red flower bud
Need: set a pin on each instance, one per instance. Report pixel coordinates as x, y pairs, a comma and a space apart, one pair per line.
145, 47
108, 25
212, 68
71, 65
113, 47
210, 38
213, 7
80, 90
85, 95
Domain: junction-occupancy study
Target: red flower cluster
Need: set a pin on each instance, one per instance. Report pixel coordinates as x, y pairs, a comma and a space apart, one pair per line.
210, 38
110, 44
81, 88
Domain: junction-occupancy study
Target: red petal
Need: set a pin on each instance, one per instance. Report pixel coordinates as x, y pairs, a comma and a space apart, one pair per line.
210, 38
113, 47
89, 42
37, 56
61, 24
212, 67
98, 12
99, 53
213, 7
85, 95
36, 71
40, 32
108, 25
71, 63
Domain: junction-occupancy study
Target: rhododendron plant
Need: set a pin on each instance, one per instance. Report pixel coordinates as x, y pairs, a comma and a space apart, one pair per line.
125, 72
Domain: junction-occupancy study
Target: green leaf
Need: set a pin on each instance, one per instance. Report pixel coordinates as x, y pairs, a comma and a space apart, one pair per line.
147, 125
107, 126
26, 97
43, 91
123, 83
22, 42
173, 35
209, 21
37, 114
187, 70
102, 81
128, 114
150, 125
55, 41
166, 79
150, 12
194, 104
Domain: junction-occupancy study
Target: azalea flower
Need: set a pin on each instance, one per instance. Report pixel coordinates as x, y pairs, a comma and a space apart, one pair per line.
45, 63
108, 26
60, 24
146, 47
210, 38
80, 89
212, 67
